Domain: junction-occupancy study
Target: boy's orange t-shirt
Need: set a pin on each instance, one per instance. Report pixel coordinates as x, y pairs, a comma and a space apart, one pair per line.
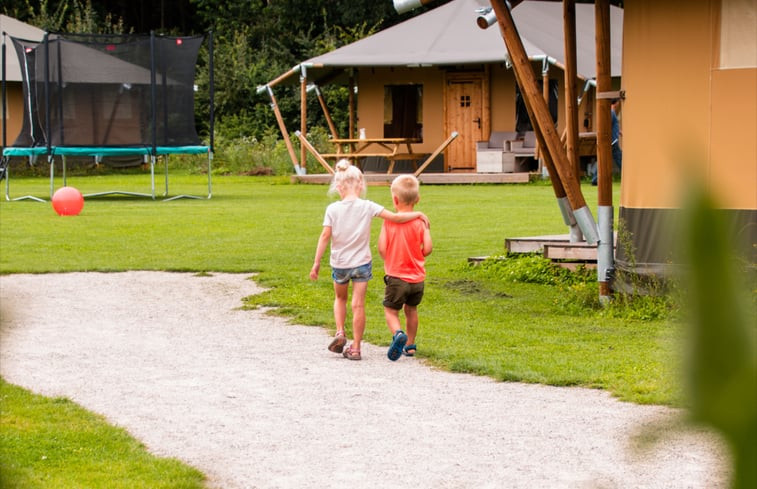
404, 254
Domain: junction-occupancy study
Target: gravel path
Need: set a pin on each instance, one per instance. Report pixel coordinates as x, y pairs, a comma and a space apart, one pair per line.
255, 402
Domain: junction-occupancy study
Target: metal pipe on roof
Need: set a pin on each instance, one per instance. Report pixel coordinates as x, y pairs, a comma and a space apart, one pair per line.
486, 17
403, 6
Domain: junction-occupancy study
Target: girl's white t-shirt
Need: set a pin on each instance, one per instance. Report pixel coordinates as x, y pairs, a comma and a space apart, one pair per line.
350, 222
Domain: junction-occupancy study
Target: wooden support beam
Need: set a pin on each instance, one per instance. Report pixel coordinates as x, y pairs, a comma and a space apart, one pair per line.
326, 113
603, 116
306, 144
605, 255
621, 94
436, 153
283, 129
550, 140
545, 94
571, 90
540, 110
351, 96
283, 77
303, 111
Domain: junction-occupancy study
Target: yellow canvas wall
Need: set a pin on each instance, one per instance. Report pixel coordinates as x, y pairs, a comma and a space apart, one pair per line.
14, 111
502, 103
684, 115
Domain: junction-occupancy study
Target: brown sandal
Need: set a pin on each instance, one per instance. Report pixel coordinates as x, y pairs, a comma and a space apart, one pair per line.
351, 354
337, 344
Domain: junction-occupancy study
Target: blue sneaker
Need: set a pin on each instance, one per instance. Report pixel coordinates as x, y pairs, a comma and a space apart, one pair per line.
398, 343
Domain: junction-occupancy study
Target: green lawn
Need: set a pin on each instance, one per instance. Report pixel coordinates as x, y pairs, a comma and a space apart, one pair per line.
471, 319
54, 444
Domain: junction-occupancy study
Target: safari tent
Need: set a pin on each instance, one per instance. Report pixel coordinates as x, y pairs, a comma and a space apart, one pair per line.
13, 117
690, 111
439, 73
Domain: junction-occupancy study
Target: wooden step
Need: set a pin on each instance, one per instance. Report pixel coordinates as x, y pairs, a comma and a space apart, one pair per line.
570, 251
534, 244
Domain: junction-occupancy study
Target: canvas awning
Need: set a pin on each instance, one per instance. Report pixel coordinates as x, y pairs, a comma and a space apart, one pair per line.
449, 35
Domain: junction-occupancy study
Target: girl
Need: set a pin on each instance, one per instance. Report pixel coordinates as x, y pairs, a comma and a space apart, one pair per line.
347, 226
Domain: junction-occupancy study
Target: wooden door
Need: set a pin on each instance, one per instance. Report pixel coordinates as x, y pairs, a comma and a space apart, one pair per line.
464, 109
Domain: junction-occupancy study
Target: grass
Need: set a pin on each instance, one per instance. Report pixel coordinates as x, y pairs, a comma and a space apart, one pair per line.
472, 319
54, 444
513, 330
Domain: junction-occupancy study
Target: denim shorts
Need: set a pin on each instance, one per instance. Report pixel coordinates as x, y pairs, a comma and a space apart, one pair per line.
363, 273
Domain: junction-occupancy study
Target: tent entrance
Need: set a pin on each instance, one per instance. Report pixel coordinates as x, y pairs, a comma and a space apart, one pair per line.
465, 112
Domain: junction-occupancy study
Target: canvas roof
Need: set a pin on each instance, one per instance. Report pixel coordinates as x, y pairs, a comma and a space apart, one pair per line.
449, 35
85, 64
21, 30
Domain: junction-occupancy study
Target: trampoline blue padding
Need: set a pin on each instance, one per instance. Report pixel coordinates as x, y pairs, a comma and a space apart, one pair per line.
99, 151
39, 150
105, 151
192, 150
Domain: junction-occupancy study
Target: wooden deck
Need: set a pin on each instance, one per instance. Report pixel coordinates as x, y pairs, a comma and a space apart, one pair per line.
425, 178
557, 247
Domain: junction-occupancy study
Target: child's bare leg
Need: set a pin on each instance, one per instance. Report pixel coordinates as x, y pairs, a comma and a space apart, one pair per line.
392, 319
340, 305
411, 323
358, 312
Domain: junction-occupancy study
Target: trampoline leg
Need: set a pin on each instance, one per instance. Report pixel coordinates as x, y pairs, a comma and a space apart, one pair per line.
63, 159
152, 175
51, 161
210, 185
7, 188
7, 180
165, 164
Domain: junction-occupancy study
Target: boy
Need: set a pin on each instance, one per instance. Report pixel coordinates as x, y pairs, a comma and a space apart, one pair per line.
404, 248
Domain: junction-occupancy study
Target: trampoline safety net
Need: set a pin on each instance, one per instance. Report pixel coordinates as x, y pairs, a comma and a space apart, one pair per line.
108, 91
109, 95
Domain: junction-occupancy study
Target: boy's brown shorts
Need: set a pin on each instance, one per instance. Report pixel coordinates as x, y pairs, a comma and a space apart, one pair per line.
398, 293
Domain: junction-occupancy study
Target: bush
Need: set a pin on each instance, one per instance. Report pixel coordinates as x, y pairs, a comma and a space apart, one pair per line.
578, 291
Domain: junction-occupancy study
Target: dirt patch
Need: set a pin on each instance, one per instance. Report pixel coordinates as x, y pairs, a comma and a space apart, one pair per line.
255, 402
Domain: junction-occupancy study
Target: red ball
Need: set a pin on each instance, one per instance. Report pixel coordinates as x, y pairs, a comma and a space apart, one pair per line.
68, 201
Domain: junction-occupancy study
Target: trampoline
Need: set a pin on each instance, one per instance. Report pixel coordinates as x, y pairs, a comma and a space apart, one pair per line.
109, 95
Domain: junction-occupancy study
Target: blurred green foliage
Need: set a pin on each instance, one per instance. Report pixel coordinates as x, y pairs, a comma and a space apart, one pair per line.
721, 361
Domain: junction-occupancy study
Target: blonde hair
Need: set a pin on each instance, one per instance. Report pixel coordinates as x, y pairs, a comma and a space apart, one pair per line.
347, 177
406, 188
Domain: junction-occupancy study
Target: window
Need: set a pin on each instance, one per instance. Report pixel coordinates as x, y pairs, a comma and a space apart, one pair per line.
522, 122
403, 111
738, 36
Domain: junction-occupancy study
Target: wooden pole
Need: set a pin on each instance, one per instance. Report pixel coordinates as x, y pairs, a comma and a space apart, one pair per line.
551, 140
436, 152
303, 114
571, 90
545, 94
351, 87
604, 147
306, 144
557, 185
283, 76
283, 129
326, 113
